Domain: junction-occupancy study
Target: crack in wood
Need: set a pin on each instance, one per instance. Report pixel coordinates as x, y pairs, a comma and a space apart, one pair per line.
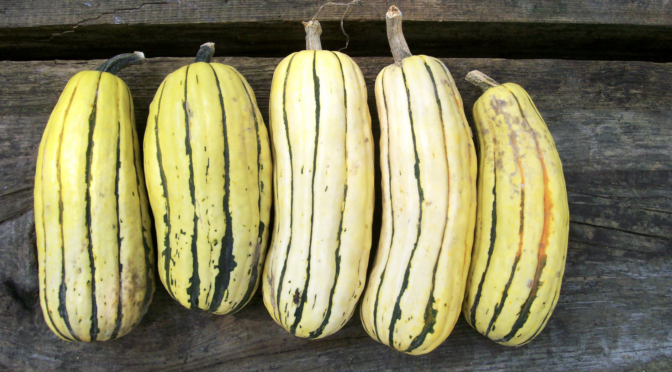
12, 192
655, 210
621, 230
80, 23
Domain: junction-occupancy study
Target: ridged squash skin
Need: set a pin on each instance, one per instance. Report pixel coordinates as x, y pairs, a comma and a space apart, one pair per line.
208, 170
92, 219
522, 221
323, 154
428, 163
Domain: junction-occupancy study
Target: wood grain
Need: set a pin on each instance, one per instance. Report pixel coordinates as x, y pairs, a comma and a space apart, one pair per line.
64, 12
594, 29
612, 127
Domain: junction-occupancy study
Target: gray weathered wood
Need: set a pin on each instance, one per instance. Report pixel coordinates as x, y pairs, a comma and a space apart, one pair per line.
40, 13
612, 126
595, 29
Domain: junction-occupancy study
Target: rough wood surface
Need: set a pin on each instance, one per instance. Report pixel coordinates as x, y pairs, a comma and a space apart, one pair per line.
594, 29
612, 126
64, 12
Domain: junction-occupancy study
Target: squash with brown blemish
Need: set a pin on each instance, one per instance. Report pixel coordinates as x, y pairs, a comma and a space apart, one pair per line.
522, 224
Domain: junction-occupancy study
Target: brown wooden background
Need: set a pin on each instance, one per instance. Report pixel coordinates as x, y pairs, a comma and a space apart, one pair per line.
598, 71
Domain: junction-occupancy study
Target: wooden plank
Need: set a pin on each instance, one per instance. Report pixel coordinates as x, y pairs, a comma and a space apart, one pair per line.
597, 29
40, 13
612, 129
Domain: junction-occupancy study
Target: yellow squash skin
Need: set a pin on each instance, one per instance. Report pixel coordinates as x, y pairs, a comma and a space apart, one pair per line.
92, 221
208, 170
323, 153
522, 221
428, 165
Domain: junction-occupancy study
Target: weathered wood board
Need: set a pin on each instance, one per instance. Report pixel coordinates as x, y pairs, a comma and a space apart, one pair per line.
65, 13
613, 128
593, 29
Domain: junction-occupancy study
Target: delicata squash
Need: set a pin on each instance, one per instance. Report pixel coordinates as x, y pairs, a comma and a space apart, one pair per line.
522, 225
428, 163
208, 169
323, 154
94, 241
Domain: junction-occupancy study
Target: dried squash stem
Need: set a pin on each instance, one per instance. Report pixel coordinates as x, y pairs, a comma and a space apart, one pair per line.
395, 35
481, 80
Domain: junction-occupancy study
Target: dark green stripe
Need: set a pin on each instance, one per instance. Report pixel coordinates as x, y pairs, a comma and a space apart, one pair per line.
525, 308
209, 287
149, 277
396, 313
505, 293
254, 275
337, 255
227, 262
337, 261
541, 326
167, 254
541, 264
291, 192
430, 313
298, 314
195, 288
88, 176
63, 312
117, 325
389, 180
493, 237
429, 316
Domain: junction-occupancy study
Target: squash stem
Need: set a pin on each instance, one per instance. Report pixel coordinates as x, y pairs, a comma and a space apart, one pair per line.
116, 63
205, 53
396, 36
481, 80
313, 32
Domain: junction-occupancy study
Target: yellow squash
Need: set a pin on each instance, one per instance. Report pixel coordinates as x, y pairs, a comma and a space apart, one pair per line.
428, 162
522, 221
92, 220
208, 169
323, 153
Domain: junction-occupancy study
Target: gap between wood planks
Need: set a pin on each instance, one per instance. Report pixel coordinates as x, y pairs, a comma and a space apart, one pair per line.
278, 39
